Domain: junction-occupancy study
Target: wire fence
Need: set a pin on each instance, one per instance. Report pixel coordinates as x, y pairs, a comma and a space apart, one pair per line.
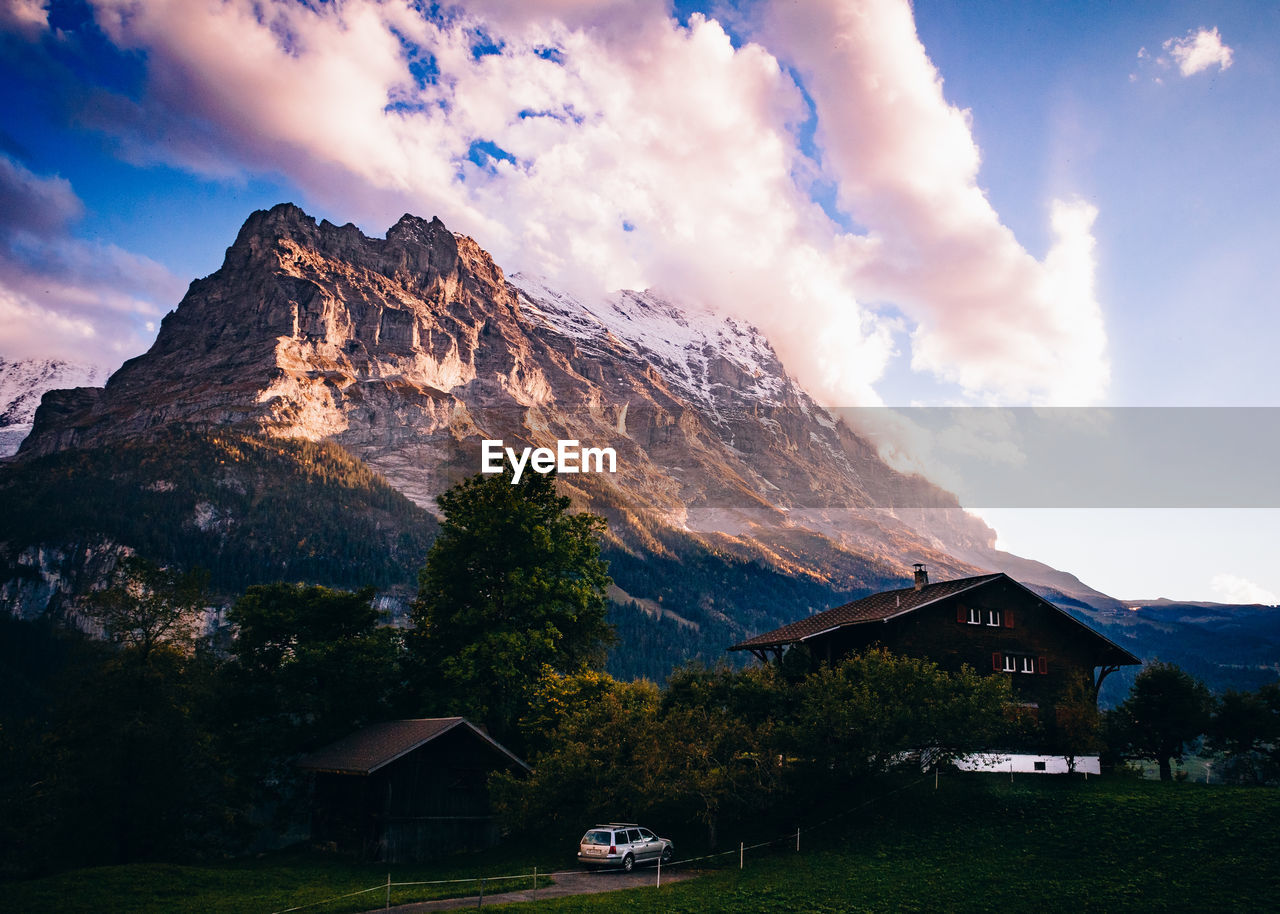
483, 882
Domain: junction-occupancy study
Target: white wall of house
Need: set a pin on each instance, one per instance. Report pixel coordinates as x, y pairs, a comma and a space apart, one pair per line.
1026, 764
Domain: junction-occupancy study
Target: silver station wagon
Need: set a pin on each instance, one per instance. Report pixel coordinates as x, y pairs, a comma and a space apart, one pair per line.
624, 845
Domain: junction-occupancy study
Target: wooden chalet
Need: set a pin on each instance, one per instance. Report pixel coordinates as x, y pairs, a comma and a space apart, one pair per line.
991, 622
407, 790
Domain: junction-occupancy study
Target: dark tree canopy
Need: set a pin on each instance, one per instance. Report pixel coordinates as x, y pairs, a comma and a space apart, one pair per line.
1246, 730
147, 606
513, 588
1166, 709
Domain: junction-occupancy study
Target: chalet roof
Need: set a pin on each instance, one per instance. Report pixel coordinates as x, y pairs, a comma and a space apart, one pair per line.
875, 608
880, 607
376, 745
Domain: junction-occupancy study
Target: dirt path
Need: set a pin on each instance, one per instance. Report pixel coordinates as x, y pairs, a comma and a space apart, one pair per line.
577, 882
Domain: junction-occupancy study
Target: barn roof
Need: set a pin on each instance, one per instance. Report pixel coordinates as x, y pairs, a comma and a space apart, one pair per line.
376, 745
886, 605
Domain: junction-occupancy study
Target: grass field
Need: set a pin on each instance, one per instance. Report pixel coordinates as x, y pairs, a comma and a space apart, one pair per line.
274, 882
978, 843
981, 843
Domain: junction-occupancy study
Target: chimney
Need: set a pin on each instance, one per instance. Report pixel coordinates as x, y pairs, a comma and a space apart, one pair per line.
922, 576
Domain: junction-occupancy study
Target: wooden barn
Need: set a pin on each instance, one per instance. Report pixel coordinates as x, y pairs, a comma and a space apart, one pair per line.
990, 622
407, 790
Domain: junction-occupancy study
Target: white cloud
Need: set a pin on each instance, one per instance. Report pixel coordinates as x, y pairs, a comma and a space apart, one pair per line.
635, 151
1235, 589
64, 297
990, 317
1199, 50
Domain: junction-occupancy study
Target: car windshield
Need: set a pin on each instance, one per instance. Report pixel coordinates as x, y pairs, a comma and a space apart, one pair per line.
598, 837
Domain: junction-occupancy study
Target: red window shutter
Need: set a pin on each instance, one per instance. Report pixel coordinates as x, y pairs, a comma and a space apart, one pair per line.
1008, 618
962, 615
1044, 665
996, 665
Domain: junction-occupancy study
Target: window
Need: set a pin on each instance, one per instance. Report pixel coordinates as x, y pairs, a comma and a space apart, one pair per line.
1018, 663
633, 836
975, 616
1039, 766
993, 618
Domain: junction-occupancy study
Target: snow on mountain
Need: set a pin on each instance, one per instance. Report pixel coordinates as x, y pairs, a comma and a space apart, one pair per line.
24, 382
699, 353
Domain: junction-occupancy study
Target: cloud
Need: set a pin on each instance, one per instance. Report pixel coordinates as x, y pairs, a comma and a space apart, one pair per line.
26, 17
64, 297
989, 316
605, 145
1199, 50
1235, 589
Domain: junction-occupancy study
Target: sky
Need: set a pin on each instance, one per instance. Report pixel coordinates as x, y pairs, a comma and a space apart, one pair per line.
938, 203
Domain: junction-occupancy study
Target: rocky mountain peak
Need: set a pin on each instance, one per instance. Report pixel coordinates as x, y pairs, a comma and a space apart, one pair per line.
411, 349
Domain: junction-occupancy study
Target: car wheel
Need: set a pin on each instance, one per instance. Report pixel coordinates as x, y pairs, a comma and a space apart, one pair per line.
628, 863
666, 854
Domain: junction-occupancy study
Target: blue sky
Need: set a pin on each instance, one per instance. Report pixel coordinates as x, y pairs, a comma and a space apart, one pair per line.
943, 203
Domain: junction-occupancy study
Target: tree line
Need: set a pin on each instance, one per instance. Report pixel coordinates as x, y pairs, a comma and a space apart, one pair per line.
158, 740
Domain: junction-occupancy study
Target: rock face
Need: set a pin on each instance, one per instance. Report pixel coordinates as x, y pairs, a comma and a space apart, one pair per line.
410, 350
23, 383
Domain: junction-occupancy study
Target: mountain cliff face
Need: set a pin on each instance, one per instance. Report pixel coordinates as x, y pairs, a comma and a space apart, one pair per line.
23, 383
409, 351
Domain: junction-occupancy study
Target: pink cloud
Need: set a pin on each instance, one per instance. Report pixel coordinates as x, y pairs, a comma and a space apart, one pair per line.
642, 153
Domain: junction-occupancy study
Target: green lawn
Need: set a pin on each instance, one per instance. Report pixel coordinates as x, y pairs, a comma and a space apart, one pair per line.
979, 843
272, 883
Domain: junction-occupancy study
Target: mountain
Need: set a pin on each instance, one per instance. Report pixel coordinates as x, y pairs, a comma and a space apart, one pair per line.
738, 503
22, 384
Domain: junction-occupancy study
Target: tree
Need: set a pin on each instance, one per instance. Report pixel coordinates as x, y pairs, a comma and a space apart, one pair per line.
1246, 729
132, 772
872, 710
513, 586
1077, 725
1166, 709
309, 664
147, 605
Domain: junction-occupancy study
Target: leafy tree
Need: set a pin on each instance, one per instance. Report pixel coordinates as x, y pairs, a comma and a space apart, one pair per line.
722, 745
132, 770
1077, 725
1245, 728
598, 766
872, 710
146, 605
1166, 709
722, 751
309, 665
513, 586
556, 698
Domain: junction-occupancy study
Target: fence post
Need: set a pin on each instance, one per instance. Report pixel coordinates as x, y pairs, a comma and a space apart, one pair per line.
659, 885
388, 891
740, 852
480, 900
797, 839
535, 878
